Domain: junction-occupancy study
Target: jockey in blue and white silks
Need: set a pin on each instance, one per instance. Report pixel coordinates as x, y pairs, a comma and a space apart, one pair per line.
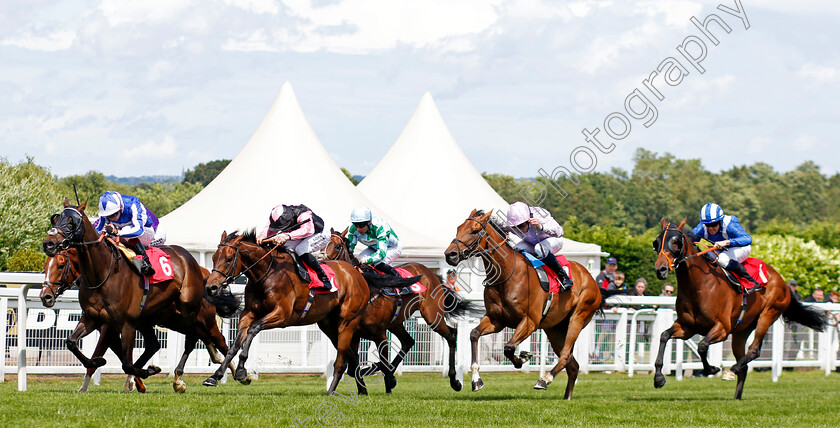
383, 245
727, 234
541, 236
127, 217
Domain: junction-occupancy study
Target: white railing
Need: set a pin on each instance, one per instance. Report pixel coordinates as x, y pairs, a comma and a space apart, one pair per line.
622, 340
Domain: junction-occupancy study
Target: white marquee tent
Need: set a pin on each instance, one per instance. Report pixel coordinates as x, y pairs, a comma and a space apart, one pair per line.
283, 162
427, 150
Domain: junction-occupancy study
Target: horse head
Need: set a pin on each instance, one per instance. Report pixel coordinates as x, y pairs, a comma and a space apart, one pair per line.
671, 246
68, 228
60, 274
470, 238
227, 263
339, 247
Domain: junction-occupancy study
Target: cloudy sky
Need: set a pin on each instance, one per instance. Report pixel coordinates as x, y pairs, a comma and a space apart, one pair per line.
156, 86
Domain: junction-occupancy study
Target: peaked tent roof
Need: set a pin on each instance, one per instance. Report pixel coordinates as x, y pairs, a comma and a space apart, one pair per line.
282, 162
426, 162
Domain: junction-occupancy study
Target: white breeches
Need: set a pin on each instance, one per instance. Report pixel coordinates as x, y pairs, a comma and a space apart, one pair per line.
391, 254
152, 237
738, 254
312, 244
543, 248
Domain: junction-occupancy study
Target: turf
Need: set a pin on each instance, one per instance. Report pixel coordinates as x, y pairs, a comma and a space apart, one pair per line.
805, 398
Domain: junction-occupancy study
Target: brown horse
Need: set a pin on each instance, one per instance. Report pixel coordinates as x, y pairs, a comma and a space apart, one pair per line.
117, 297
276, 297
514, 298
438, 304
62, 272
709, 306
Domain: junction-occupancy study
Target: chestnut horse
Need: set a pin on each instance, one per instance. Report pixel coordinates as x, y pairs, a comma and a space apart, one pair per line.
438, 304
514, 298
709, 306
62, 272
276, 297
117, 296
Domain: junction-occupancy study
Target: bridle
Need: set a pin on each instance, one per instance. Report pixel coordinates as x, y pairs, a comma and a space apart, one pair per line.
231, 274
471, 249
675, 260
73, 238
62, 285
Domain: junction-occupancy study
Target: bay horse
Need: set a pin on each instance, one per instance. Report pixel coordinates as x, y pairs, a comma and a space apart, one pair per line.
275, 296
514, 298
709, 306
118, 300
61, 273
437, 305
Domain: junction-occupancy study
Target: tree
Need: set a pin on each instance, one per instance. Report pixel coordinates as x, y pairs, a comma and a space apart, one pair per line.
204, 173
349, 176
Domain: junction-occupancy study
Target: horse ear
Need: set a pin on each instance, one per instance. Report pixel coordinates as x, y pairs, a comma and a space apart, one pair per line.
66, 202
662, 222
682, 223
224, 236
344, 234
485, 217
473, 212
82, 207
332, 231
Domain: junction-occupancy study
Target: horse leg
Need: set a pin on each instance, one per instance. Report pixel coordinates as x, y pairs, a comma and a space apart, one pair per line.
434, 316
739, 341
524, 330
382, 348
565, 336
765, 320
344, 355
244, 325
215, 343
406, 343
98, 352
275, 318
84, 327
355, 368
152, 346
485, 326
557, 337
717, 334
676, 331
129, 334
189, 345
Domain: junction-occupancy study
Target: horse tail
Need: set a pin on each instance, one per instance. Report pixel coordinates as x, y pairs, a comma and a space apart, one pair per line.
456, 306
227, 305
605, 294
378, 280
808, 316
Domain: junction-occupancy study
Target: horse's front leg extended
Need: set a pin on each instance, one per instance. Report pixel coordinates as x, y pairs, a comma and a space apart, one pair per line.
85, 327
244, 325
676, 331
486, 326
189, 345
716, 334
105, 339
152, 345
276, 318
523, 331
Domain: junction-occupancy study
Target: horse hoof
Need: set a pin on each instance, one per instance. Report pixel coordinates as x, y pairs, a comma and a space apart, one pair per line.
659, 381
246, 381
541, 385
179, 387
728, 375
240, 375
96, 362
477, 384
210, 381
712, 371
390, 383
517, 364
525, 356
456, 385
153, 370
363, 392
141, 387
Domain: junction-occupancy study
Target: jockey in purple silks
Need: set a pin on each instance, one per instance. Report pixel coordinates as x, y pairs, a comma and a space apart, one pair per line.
541, 236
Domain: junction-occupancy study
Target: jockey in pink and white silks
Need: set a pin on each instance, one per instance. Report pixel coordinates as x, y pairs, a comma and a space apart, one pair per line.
726, 233
298, 229
541, 236
127, 217
383, 246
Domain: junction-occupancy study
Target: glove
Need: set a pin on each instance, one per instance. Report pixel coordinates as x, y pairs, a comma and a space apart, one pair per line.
355, 262
110, 229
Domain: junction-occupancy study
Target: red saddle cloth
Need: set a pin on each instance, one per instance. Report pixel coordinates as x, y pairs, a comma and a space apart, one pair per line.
553, 280
316, 284
161, 264
757, 269
417, 287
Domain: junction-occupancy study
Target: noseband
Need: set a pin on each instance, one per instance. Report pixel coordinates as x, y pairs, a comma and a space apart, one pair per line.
62, 285
230, 275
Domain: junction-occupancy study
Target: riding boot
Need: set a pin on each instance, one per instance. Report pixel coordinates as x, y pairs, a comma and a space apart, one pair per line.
312, 262
554, 265
387, 269
144, 266
738, 269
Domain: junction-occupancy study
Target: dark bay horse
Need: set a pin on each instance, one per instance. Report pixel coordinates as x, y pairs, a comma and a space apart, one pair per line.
709, 306
438, 305
117, 297
276, 297
62, 272
514, 298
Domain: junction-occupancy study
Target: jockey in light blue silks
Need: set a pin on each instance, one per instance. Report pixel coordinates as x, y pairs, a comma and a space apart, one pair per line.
127, 217
383, 246
541, 236
726, 233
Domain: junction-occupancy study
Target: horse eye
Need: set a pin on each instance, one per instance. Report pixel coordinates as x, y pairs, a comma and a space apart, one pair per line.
229, 259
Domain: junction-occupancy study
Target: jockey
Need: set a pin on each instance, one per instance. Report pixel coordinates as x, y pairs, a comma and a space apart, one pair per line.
541, 236
383, 246
127, 217
300, 230
726, 232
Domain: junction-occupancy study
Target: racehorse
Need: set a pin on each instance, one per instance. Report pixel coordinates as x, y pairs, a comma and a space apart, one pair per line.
117, 296
709, 306
438, 304
276, 297
514, 298
62, 272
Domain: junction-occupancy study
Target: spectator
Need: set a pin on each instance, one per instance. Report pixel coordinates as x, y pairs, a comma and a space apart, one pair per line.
618, 280
451, 280
818, 296
606, 279
797, 336
834, 297
667, 290
639, 289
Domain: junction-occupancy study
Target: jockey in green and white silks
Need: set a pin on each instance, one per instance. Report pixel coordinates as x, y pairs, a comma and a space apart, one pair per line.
383, 245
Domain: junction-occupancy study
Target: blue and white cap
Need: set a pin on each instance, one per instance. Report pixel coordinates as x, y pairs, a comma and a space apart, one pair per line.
711, 213
109, 203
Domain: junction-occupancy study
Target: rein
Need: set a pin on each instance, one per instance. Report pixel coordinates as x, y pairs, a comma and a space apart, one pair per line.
673, 262
469, 250
62, 283
230, 276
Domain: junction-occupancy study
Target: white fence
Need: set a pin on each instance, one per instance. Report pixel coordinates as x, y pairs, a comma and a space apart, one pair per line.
623, 340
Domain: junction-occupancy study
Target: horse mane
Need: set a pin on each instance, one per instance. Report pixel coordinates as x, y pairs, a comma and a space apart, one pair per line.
248, 235
499, 228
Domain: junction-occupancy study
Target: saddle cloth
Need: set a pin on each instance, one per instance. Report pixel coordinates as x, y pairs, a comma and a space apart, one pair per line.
548, 275
315, 283
160, 261
757, 269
